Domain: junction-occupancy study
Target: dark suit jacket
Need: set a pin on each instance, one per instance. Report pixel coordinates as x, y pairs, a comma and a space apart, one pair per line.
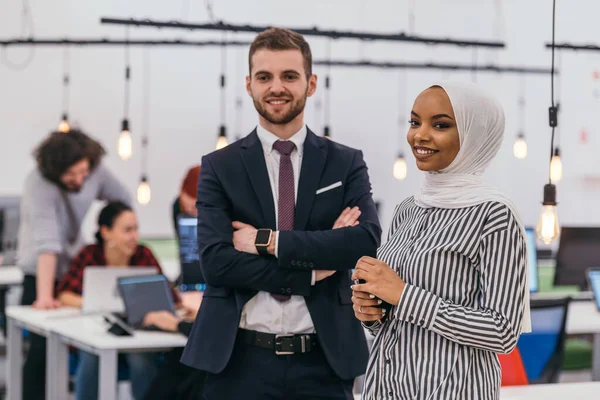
234, 186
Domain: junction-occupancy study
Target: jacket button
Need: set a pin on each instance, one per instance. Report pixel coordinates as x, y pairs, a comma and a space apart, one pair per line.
305, 264
422, 322
283, 290
289, 290
293, 263
311, 265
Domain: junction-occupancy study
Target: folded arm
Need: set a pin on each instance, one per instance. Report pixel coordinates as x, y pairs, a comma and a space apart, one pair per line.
223, 265
336, 249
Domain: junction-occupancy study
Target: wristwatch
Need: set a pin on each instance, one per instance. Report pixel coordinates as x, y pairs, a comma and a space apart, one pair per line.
262, 241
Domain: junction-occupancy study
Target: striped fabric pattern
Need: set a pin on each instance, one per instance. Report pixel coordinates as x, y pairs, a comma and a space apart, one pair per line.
463, 302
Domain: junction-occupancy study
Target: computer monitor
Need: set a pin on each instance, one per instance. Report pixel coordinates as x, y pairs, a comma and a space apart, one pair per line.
593, 277
578, 248
189, 257
9, 229
532, 260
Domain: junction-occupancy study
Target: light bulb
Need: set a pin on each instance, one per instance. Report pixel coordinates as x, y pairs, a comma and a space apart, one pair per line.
556, 169
548, 229
221, 142
400, 169
222, 139
64, 126
520, 147
125, 145
143, 192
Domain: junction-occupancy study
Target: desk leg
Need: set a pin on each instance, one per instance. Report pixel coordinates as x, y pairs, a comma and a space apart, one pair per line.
107, 383
596, 358
57, 368
14, 348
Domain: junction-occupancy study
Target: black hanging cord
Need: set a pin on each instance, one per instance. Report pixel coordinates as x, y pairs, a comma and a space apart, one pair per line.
26, 21
146, 120
222, 81
553, 117
327, 105
66, 80
127, 77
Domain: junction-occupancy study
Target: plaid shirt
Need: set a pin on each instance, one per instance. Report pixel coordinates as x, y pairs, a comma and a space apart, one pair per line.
93, 255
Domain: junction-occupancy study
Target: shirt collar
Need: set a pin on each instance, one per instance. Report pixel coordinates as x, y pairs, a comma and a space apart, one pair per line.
268, 139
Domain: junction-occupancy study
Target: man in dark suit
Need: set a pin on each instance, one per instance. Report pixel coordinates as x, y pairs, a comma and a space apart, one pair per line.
283, 216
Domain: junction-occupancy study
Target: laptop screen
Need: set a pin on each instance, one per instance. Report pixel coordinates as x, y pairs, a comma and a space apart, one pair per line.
594, 278
142, 294
532, 259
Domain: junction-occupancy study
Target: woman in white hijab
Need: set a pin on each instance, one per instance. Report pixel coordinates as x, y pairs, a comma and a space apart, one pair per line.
453, 272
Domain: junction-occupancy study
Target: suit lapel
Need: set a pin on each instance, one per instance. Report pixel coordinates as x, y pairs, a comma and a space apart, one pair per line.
254, 161
313, 161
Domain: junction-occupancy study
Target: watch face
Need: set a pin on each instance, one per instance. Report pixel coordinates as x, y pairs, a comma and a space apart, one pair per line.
262, 237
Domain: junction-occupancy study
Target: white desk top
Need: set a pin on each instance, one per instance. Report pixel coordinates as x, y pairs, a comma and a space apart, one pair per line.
10, 275
39, 321
558, 391
90, 331
583, 318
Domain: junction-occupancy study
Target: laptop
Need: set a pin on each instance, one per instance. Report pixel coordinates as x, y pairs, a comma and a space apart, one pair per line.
100, 292
191, 273
143, 294
593, 276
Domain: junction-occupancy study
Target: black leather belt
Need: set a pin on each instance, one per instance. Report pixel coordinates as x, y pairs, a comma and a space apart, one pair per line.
281, 344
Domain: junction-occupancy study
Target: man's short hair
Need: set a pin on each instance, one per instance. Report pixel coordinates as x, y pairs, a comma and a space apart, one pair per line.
277, 39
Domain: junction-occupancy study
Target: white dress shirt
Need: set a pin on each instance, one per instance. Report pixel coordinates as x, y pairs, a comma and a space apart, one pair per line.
263, 313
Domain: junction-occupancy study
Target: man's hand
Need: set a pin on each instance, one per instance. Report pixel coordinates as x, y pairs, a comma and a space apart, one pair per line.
188, 205
244, 237
348, 217
46, 303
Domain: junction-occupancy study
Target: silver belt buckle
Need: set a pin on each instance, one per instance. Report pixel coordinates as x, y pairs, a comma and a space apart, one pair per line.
278, 345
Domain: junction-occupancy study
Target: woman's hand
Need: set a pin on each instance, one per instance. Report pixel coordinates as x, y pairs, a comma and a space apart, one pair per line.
365, 307
162, 319
381, 280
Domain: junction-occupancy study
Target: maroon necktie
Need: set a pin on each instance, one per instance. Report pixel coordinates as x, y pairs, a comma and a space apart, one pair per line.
287, 203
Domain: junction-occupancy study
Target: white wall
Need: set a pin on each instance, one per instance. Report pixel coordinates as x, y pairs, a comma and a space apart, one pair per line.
185, 91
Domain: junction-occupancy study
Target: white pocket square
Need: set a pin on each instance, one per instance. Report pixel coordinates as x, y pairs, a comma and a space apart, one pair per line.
332, 186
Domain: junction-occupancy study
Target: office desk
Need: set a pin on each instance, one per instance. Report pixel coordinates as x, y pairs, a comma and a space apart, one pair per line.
557, 391
89, 333
9, 276
36, 321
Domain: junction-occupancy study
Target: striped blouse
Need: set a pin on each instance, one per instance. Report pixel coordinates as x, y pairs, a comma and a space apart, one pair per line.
465, 274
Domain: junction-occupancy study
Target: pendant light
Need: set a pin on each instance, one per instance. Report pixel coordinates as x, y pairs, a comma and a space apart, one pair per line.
64, 126
125, 144
222, 137
144, 194
520, 146
556, 169
548, 229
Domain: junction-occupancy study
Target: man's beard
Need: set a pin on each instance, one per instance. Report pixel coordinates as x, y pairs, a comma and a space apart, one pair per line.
281, 119
69, 189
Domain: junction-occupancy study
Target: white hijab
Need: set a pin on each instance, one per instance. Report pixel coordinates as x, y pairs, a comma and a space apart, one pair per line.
480, 123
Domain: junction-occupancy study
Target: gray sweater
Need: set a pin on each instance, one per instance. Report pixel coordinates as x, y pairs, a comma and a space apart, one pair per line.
44, 225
